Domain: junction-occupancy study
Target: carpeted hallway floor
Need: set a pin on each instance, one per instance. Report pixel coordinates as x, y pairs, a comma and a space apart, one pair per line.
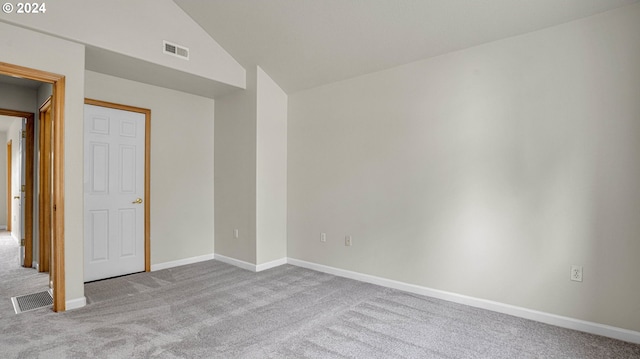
214, 310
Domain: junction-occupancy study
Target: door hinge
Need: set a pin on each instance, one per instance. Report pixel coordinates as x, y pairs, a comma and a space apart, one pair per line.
22, 242
24, 134
23, 188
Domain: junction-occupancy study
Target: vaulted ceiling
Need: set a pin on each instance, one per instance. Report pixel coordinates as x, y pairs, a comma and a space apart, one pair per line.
306, 43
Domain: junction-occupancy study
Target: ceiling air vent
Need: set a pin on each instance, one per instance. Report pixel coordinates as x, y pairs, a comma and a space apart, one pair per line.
175, 50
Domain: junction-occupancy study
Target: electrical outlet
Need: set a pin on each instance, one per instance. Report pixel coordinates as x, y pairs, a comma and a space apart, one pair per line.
323, 237
347, 241
576, 273
236, 233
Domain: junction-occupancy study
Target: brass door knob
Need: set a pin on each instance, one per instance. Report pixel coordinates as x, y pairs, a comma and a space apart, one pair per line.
137, 201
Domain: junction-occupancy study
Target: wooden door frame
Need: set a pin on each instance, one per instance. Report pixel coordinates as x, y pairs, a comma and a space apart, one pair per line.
28, 184
147, 169
58, 99
44, 199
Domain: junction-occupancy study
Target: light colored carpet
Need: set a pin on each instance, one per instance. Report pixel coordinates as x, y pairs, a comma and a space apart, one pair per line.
214, 310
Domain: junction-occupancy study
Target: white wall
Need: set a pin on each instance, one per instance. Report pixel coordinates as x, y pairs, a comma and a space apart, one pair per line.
182, 133
271, 170
235, 168
25, 48
17, 98
14, 134
43, 93
486, 172
251, 168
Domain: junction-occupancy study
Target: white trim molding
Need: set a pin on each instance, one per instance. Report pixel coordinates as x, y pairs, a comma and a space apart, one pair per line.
235, 262
76, 303
553, 319
272, 264
250, 266
181, 262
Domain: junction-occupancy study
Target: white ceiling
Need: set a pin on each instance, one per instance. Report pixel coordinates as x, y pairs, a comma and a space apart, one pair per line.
307, 43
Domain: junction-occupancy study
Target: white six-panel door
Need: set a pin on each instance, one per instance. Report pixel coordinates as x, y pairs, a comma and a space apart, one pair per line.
114, 145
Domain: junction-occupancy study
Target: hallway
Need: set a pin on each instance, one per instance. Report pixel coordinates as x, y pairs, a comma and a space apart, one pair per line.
16, 280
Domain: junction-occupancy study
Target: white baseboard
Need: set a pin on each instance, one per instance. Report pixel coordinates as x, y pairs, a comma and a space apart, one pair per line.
3, 228
221, 258
181, 262
235, 262
272, 264
76, 303
557, 320
250, 266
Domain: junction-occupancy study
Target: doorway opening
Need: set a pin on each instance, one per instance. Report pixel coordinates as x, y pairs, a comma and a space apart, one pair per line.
20, 162
55, 172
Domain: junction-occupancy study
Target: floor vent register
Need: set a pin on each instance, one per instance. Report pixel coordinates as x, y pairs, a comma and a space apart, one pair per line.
33, 301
